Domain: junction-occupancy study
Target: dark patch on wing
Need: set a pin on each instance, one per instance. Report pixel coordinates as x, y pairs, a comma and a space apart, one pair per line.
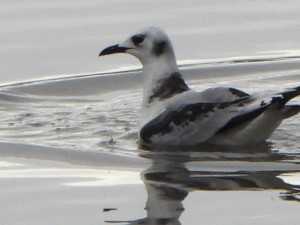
168, 87
238, 102
159, 48
163, 123
238, 93
280, 101
238, 120
263, 103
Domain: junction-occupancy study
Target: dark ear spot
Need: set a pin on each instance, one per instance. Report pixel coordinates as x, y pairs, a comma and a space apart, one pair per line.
159, 48
137, 39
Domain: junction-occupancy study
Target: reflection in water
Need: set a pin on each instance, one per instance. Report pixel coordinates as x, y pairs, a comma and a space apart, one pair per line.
169, 180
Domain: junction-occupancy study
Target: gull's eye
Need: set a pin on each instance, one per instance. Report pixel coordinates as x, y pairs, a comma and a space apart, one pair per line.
138, 39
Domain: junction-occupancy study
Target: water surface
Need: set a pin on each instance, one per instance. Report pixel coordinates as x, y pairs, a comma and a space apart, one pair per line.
68, 143
91, 120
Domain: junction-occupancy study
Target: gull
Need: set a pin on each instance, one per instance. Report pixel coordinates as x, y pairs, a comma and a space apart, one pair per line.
175, 115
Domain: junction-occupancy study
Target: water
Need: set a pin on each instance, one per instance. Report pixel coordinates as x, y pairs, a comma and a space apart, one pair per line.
43, 39
68, 143
87, 116
101, 111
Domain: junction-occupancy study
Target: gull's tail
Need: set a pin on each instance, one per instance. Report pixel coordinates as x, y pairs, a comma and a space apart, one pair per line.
289, 110
286, 96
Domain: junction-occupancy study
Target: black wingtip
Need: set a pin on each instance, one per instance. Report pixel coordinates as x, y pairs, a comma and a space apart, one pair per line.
291, 110
286, 96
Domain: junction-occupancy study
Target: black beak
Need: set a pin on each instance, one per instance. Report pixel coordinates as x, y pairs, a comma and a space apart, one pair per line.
113, 49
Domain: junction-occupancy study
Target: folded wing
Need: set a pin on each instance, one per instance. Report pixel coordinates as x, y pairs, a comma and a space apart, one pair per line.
197, 122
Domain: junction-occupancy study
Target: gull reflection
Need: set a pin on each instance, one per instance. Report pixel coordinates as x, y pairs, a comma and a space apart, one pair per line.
170, 179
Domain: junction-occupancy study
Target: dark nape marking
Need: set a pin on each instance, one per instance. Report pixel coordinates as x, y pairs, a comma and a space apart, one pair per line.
168, 87
159, 48
238, 120
238, 93
137, 39
163, 123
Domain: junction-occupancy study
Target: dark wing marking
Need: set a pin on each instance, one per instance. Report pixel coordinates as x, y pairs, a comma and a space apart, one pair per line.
223, 94
181, 117
286, 96
238, 120
163, 123
280, 101
238, 93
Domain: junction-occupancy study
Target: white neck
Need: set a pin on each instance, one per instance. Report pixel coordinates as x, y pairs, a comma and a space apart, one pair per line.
154, 70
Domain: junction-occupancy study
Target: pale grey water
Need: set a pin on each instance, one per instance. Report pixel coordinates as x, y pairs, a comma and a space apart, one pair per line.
91, 118
39, 39
101, 112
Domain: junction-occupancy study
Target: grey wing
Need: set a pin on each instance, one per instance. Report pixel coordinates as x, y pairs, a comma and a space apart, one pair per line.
223, 94
201, 119
196, 122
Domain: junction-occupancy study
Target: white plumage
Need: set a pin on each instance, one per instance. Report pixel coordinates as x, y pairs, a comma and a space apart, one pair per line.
173, 114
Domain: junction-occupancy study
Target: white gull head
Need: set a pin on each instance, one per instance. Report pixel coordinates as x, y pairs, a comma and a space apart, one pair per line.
149, 45
152, 47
